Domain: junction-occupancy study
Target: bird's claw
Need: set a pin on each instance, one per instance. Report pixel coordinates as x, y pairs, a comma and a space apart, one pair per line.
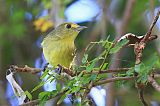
45, 67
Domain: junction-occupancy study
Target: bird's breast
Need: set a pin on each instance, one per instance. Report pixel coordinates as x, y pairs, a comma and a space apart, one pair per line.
59, 52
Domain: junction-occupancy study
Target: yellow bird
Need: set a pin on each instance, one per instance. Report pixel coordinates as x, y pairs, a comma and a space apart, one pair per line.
58, 46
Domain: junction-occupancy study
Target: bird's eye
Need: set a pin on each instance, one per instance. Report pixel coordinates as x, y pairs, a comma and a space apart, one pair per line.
68, 26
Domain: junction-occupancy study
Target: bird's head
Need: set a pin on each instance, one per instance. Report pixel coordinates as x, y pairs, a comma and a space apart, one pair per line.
69, 30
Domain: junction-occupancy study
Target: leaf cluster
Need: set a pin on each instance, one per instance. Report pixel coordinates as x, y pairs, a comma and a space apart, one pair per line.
85, 75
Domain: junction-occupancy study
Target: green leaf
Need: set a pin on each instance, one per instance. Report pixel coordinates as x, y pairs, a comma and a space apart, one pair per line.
118, 46
58, 87
139, 68
44, 74
130, 72
91, 66
80, 74
105, 66
54, 93
70, 84
51, 77
143, 78
63, 97
38, 86
151, 62
84, 59
44, 95
106, 44
93, 77
28, 95
85, 79
102, 76
75, 89
144, 69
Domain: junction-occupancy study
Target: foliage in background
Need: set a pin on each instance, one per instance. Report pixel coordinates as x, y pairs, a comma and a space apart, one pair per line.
18, 37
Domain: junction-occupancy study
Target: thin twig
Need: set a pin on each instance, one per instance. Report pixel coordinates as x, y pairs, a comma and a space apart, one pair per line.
150, 79
156, 75
113, 80
66, 70
140, 92
26, 69
148, 34
154, 83
138, 48
108, 71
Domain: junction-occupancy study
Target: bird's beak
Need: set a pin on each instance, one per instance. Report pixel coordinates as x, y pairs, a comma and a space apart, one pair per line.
79, 28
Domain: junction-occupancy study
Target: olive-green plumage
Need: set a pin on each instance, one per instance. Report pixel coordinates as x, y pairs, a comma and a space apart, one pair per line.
58, 46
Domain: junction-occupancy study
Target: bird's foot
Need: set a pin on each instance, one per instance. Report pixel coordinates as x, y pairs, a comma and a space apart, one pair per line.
45, 67
59, 69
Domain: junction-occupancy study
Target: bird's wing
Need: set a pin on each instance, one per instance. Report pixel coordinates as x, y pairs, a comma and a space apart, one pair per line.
52, 36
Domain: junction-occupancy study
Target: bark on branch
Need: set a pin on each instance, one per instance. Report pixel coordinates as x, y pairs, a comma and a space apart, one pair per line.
138, 48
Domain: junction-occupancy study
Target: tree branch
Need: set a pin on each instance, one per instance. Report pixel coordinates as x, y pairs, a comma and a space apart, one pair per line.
138, 48
140, 92
108, 71
153, 82
148, 34
112, 80
65, 70
25, 69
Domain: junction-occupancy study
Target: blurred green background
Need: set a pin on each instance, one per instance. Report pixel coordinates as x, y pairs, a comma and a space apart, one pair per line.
23, 24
